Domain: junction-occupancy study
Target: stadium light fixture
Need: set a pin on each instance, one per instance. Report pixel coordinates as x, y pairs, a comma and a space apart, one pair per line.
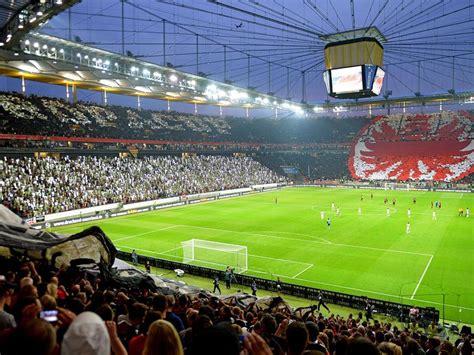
9, 37
36, 45
27, 42
33, 19
79, 55
39, 13
107, 62
58, 2
45, 46
53, 49
61, 51
86, 57
173, 78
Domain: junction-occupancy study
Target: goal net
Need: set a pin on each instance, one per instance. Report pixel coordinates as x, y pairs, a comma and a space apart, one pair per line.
215, 254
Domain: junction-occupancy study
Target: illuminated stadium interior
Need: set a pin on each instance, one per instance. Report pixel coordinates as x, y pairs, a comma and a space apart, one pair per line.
236, 177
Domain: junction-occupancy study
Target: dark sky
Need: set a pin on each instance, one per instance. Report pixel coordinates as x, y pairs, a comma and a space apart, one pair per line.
281, 38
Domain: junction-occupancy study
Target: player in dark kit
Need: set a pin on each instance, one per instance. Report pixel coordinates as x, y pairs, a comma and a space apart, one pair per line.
253, 287
216, 285
321, 301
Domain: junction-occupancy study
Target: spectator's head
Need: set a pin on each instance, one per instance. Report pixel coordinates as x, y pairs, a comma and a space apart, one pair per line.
48, 302
28, 291
207, 311
313, 331
150, 317
160, 303
105, 312
26, 281
191, 316
214, 340
268, 324
162, 339
387, 348
36, 337
75, 289
361, 346
87, 335
296, 338
136, 313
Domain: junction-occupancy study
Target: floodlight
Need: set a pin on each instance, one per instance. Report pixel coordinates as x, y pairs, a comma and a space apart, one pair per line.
173, 78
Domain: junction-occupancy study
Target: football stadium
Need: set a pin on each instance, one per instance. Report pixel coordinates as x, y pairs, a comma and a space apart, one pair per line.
236, 177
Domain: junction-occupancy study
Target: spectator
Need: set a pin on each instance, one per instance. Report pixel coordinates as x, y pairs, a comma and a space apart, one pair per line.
296, 338
162, 339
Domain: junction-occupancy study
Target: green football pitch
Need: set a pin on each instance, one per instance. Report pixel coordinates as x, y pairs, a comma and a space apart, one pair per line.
364, 252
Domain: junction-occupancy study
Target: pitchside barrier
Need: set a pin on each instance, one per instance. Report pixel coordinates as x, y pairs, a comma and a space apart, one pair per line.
397, 310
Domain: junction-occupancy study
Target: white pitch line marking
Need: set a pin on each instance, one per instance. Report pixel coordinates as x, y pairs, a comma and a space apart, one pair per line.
148, 251
298, 274
421, 278
149, 232
304, 240
303, 235
284, 260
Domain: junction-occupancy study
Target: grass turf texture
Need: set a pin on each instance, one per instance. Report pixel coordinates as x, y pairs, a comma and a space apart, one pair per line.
363, 254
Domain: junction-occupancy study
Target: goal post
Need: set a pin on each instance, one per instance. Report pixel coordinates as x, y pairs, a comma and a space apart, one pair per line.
215, 254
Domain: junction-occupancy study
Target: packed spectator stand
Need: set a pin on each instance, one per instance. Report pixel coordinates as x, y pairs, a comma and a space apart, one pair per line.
438, 147
95, 316
41, 186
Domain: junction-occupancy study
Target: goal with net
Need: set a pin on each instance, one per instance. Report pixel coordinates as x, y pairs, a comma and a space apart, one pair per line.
214, 254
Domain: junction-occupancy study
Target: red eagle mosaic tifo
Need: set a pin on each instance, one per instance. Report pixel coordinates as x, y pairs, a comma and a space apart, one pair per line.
437, 147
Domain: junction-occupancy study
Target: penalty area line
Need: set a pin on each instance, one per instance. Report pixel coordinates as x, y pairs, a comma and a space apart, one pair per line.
145, 233
421, 278
305, 269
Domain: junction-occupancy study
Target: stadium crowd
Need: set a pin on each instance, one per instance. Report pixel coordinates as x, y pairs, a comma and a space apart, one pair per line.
55, 117
30, 186
45, 311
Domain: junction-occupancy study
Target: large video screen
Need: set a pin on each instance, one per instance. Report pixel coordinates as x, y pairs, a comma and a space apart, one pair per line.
378, 82
346, 80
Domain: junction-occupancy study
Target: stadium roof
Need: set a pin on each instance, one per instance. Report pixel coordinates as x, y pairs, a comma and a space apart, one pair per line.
251, 48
